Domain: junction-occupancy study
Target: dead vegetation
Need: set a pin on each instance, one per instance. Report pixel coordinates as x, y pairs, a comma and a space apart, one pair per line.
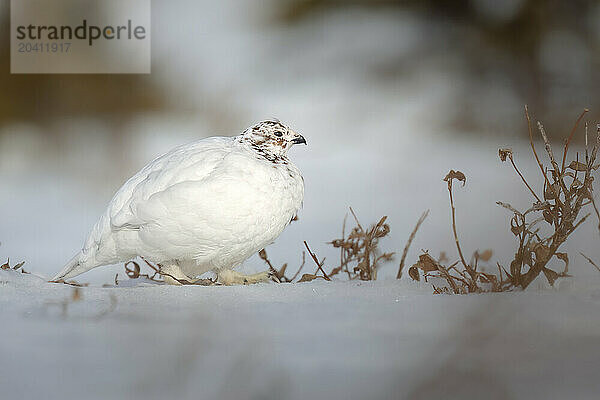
17, 267
360, 256
409, 242
556, 212
134, 272
567, 191
279, 274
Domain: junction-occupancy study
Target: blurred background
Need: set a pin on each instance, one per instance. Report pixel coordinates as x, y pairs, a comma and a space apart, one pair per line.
390, 95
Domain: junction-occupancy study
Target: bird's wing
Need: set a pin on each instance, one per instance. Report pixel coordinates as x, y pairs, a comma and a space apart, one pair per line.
217, 203
192, 161
193, 219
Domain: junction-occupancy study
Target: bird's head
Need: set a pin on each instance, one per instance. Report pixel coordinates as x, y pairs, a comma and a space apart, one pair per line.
272, 137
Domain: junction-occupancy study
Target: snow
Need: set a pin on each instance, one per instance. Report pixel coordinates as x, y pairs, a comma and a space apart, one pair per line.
339, 340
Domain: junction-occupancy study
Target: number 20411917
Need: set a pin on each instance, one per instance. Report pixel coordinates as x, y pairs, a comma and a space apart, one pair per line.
35, 47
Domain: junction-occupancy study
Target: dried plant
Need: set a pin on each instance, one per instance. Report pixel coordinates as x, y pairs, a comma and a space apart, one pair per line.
459, 280
359, 251
409, 242
72, 283
319, 264
17, 267
565, 194
360, 257
134, 272
461, 277
279, 274
564, 197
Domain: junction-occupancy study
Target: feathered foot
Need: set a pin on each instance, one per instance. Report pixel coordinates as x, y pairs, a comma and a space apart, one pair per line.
230, 277
173, 275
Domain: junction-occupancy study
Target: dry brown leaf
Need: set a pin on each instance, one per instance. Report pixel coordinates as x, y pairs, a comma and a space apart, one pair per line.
426, 263
281, 272
263, 255
548, 217
576, 183
541, 251
516, 229
550, 275
552, 191
527, 258
564, 257
577, 166
308, 278
504, 153
455, 175
413, 272
19, 265
335, 271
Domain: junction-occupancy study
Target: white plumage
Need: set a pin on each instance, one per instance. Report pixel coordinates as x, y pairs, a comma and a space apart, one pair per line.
203, 206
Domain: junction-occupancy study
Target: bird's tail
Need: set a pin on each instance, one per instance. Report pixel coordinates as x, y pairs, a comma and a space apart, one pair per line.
72, 269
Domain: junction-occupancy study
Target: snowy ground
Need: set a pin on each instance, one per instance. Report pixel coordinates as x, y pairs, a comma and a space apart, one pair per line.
339, 340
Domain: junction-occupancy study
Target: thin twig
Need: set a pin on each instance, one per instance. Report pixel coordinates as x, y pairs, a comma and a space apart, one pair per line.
548, 147
408, 243
585, 110
301, 266
581, 221
460, 253
356, 219
590, 261
533, 146
343, 263
557, 171
317, 261
263, 256
587, 156
510, 156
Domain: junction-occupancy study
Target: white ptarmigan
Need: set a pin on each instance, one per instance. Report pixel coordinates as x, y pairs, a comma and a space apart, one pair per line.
204, 206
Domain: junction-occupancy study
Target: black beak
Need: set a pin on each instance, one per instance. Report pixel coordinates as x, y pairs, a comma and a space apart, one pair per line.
299, 140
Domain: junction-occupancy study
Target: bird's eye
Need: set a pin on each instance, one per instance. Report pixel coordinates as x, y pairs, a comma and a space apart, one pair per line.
278, 134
